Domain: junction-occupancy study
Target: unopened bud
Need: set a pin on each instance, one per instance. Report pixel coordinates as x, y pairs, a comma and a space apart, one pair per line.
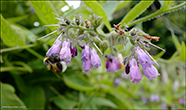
73, 49
87, 23
127, 69
104, 45
98, 21
92, 33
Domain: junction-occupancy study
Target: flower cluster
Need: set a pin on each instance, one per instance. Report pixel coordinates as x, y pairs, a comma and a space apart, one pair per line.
90, 58
65, 53
85, 35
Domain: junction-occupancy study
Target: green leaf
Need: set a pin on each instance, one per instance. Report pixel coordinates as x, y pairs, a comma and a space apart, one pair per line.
10, 36
45, 11
20, 84
35, 98
9, 98
28, 68
102, 101
64, 102
174, 38
109, 8
161, 11
158, 55
17, 19
82, 12
29, 34
166, 4
77, 82
87, 102
98, 10
183, 51
136, 11
122, 4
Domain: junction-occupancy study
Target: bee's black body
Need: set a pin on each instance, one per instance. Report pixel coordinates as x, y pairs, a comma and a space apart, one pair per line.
55, 64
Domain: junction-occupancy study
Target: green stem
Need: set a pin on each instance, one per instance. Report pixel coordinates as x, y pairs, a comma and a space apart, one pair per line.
81, 28
17, 47
3, 69
159, 12
35, 53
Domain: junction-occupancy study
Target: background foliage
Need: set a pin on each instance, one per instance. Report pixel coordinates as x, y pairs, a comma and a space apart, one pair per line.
25, 81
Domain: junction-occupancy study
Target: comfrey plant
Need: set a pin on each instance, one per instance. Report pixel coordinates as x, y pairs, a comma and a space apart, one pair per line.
84, 34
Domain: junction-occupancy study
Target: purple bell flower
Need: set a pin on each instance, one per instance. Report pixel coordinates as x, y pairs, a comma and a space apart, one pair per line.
112, 64
182, 101
143, 57
154, 98
144, 99
55, 48
164, 106
87, 66
117, 82
65, 52
150, 72
85, 53
135, 74
95, 60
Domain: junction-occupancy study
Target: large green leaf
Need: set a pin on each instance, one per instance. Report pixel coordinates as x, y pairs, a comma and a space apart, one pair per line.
109, 7
28, 34
136, 11
64, 102
161, 11
9, 99
45, 11
122, 4
98, 10
183, 50
10, 36
35, 98
77, 82
102, 101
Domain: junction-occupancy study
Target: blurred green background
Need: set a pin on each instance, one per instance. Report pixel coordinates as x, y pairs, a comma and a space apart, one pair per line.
26, 83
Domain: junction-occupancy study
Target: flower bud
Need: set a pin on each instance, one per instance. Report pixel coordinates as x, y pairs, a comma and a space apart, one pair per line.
117, 82
98, 21
104, 45
73, 49
127, 69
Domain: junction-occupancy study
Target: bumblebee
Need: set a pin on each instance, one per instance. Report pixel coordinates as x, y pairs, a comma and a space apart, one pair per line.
55, 64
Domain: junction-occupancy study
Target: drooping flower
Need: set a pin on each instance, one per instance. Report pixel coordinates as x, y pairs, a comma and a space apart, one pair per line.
55, 48
163, 105
135, 74
95, 60
143, 57
154, 98
182, 101
73, 50
150, 72
65, 52
112, 64
87, 66
117, 81
85, 53
144, 99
